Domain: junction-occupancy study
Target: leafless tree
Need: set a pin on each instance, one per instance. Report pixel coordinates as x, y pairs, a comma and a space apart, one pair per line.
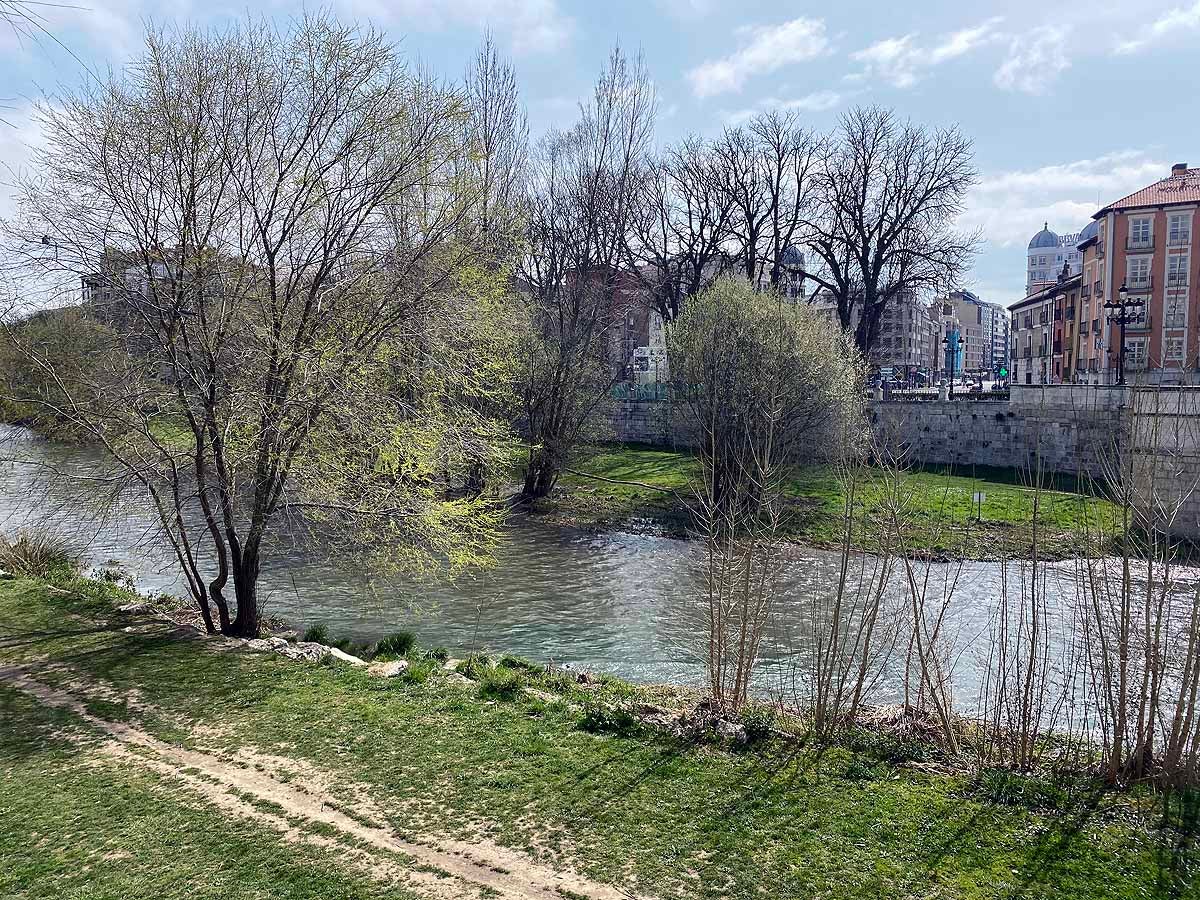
887, 197
498, 148
267, 223
579, 207
679, 226
767, 169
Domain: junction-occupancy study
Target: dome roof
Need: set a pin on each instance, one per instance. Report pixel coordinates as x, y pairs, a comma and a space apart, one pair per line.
792, 257
1092, 229
1044, 239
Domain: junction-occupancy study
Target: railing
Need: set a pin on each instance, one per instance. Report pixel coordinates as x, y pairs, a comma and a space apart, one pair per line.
1058, 315
1180, 240
1071, 313
1134, 244
1096, 325
1083, 327
1085, 291
1144, 283
1177, 279
1058, 346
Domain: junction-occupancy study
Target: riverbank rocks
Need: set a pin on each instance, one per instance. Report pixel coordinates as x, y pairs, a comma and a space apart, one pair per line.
345, 657
135, 609
391, 669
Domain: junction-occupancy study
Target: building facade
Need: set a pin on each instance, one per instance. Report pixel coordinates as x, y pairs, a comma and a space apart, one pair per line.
1048, 252
1038, 333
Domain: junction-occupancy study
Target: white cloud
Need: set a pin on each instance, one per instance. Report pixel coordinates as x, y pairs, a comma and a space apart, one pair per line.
817, 101
1010, 207
764, 48
1034, 60
901, 61
1169, 24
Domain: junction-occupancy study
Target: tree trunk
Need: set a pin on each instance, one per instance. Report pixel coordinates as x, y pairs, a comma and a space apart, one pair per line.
541, 474
245, 580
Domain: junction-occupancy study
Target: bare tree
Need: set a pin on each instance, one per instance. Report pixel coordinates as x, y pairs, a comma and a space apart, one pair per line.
266, 224
767, 170
679, 226
887, 197
579, 206
498, 147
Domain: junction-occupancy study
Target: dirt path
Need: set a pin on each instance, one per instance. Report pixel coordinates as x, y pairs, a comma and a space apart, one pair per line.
439, 869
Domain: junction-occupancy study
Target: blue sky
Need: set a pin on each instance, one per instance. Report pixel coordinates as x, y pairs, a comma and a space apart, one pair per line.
1068, 104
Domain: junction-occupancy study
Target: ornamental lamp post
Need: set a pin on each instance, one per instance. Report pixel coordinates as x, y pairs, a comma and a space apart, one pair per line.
1124, 315
953, 351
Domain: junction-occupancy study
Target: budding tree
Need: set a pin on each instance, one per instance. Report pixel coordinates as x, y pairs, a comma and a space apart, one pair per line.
273, 229
583, 184
770, 386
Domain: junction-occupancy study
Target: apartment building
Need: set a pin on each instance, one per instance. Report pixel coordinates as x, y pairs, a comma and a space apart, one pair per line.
1145, 245
1041, 350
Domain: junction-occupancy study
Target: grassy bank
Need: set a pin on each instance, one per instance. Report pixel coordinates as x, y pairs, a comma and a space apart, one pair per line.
944, 520
139, 762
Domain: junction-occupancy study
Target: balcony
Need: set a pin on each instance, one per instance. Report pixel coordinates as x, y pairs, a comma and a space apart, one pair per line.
1058, 347
1180, 240
1177, 280
1085, 291
1134, 245
1096, 325
1144, 283
1058, 315
1083, 327
1070, 313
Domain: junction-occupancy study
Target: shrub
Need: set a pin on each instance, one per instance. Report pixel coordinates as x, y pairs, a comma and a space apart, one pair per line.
759, 722
519, 664
437, 654
398, 644
474, 666
37, 554
1032, 791
418, 672
316, 634
501, 684
600, 718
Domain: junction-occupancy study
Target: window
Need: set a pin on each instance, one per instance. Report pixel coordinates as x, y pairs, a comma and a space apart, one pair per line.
1139, 232
1041, 260
1135, 353
1175, 349
1177, 270
1175, 311
1138, 274
1179, 229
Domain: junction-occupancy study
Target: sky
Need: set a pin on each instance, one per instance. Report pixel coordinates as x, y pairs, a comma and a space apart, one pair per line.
1069, 105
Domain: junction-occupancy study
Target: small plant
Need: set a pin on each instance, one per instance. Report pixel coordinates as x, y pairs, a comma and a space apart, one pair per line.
501, 683
519, 664
474, 666
37, 554
1033, 791
600, 718
418, 672
759, 722
316, 634
437, 654
858, 769
396, 645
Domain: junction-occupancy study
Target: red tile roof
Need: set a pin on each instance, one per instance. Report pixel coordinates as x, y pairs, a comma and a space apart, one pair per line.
1182, 188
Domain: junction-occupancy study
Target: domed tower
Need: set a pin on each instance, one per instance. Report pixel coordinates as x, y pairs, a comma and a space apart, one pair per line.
1043, 268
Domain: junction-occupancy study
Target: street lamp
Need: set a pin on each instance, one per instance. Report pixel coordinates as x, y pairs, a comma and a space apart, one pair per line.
953, 351
1124, 315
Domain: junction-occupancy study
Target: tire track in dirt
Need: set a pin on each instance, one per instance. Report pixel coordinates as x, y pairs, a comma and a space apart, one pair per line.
494, 870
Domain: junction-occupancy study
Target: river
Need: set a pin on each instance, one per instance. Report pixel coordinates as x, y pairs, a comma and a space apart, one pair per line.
622, 603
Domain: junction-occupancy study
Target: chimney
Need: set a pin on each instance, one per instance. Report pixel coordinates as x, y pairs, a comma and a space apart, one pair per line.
1178, 169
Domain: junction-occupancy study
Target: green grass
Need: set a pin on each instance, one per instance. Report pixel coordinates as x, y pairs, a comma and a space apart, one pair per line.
943, 519
625, 806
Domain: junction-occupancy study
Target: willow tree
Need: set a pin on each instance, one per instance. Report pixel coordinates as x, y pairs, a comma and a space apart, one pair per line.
273, 228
